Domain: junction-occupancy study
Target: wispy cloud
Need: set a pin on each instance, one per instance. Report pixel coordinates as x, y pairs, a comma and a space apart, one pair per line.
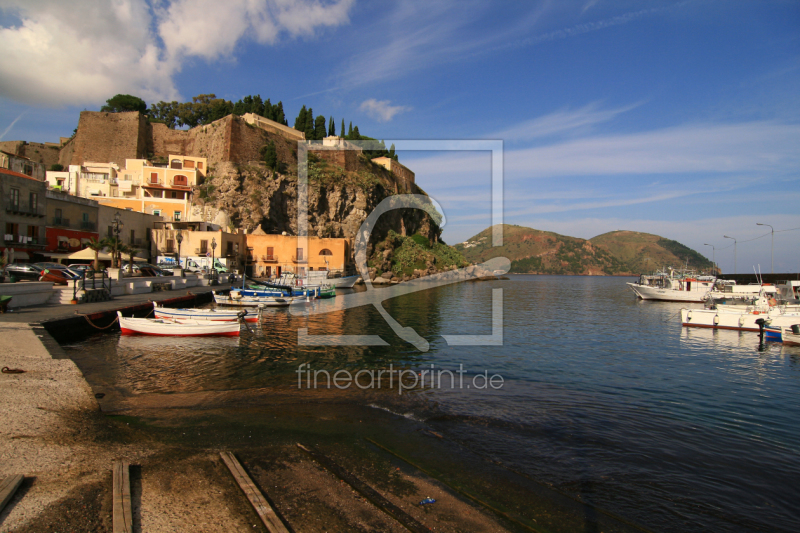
381, 110
2, 135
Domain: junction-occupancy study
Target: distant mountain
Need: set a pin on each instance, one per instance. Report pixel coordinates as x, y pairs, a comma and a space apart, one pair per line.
618, 253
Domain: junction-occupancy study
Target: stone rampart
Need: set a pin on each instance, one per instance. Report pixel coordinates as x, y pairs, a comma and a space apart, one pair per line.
109, 138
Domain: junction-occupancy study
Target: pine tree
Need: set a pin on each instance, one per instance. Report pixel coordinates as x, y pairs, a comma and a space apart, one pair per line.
300, 121
341, 131
331, 128
356, 135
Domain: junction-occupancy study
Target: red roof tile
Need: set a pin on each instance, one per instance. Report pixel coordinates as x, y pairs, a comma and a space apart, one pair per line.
17, 174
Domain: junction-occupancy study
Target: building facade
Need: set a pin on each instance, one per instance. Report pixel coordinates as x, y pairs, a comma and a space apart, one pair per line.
197, 240
22, 215
135, 229
71, 223
273, 255
403, 173
22, 164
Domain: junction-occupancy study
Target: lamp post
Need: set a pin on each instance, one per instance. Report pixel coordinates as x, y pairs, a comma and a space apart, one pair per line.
734, 252
117, 225
213, 268
713, 256
771, 246
179, 238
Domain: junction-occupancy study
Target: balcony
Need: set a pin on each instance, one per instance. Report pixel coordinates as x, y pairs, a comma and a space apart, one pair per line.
88, 226
269, 258
60, 221
21, 240
295, 259
18, 209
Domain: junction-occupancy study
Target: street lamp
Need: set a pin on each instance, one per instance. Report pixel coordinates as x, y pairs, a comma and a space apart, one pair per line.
117, 225
713, 256
213, 268
734, 252
772, 246
179, 238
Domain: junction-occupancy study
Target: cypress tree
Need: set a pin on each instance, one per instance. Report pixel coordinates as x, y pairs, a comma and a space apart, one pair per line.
331, 128
309, 129
280, 118
356, 135
391, 152
350, 130
341, 131
300, 121
319, 128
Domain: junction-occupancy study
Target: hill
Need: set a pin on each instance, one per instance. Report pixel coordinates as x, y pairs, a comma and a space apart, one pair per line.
618, 253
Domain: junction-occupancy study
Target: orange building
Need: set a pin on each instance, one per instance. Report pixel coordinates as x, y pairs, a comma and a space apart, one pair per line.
273, 255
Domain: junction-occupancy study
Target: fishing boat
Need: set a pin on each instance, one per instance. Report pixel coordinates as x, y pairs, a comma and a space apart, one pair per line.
235, 299
176, 328
216, 315
673, 286
791, 335
744, 314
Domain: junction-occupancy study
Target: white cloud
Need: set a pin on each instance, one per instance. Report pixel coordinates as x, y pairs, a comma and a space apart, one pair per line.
86, 51
381, 109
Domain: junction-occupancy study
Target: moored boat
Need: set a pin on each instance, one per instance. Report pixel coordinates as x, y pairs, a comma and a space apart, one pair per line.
673, 286
177, 328
216, 315
791, 335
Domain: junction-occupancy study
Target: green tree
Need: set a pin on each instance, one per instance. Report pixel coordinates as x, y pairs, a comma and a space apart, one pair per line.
309, 129
130, 251
356, 136
300, 121
350, 130
319, 128
56, 167
270, 155
391, 152
341, 131
124, 102
115, 244
331, 128
97, 247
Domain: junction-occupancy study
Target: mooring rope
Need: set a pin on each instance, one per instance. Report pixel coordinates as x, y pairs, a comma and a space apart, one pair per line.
98, 327
670, 317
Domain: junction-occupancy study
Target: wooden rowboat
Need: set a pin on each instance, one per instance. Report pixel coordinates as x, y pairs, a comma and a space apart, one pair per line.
216, 315
182, 328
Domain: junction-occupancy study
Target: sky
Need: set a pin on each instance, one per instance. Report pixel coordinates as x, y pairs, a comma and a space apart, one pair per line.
678, 118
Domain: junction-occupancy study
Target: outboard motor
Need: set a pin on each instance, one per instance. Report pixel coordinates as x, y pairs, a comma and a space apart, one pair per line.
761, 323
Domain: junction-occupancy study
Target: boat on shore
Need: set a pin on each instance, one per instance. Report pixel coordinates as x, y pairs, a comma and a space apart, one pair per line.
215, 315
176, 328
235, 299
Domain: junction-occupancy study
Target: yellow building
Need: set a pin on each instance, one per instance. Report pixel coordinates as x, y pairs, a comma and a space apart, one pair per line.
164, 191
273, 255
198, 240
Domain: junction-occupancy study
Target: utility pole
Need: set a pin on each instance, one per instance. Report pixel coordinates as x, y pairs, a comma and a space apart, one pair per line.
771, 247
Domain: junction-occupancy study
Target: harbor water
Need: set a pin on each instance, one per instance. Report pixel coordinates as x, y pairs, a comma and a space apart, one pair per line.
595, 395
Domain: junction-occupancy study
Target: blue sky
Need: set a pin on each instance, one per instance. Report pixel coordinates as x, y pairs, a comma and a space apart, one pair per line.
680, 118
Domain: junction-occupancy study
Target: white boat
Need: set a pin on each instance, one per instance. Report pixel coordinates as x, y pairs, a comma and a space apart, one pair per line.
673, 286
743, 315
319, 278
181, 328
217, 315
791, 335
235, 299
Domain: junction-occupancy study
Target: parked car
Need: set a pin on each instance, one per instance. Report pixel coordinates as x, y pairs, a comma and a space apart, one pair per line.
68, 273
80, 268
146, 269
57, 276
23, 271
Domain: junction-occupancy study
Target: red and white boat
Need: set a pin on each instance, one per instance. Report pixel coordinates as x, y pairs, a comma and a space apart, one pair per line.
216, 315
177, 328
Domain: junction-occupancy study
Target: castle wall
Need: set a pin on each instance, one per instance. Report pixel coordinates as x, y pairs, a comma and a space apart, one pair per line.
45, 153
109, 137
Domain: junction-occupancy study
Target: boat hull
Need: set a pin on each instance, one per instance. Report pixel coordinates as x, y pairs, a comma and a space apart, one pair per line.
668, 295
715, 319
184, 328
212, 315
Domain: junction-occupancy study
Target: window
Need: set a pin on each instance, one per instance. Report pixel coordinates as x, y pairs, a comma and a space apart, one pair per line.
58, 214
188, 163
176, 195
110, 232
33, 233
229, 249
181, 180
157, 212
199, 165
85, 216
154, 177
176, 216
176, 163
33, 200
270, 253
203, 247
12, 229
299, 254
133, 236
29, 170
325, 251
15, 199
170, 246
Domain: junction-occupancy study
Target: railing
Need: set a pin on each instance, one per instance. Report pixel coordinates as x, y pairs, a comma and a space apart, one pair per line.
20, 239
59, 221
269, 258
19, 210
88, 226
81, 284
295, 259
